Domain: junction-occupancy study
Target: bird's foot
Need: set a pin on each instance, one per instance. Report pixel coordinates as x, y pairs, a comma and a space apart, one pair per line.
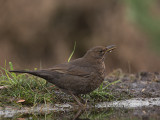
84, 101
81, 106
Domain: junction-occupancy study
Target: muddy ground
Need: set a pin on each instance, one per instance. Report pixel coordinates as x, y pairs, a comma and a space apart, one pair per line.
140, 85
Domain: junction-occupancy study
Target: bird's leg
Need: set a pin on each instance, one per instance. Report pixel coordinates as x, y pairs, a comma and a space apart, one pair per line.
78, 114
76, 99
84, 101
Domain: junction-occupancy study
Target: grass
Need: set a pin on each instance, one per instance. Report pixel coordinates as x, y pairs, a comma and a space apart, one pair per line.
24, 89
103, 93
72, 52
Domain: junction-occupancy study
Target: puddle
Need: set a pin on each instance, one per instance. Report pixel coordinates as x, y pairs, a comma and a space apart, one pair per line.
132, 109
132, 103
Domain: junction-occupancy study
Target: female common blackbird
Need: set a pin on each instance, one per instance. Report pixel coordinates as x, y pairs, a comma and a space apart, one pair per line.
80, 76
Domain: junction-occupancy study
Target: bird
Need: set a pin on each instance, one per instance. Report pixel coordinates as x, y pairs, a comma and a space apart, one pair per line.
79, 76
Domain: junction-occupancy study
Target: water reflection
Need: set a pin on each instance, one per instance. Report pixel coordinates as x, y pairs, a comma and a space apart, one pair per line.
143, 108
96, 114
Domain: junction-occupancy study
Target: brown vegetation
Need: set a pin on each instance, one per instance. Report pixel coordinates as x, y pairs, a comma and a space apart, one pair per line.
43, 32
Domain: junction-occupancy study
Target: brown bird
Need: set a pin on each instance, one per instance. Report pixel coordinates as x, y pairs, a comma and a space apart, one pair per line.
80, 76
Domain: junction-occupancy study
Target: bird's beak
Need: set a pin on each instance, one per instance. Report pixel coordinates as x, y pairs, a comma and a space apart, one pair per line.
110, 48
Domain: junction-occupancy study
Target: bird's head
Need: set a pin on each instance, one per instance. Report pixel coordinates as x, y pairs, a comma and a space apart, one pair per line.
99, 52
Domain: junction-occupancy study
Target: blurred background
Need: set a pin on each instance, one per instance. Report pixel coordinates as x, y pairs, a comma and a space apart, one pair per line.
42, 33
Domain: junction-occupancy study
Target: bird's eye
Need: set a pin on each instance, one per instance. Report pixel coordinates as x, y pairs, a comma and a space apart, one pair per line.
101, 51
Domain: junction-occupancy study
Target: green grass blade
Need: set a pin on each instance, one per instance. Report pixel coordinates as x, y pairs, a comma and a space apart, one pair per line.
11, 68
72, 52
112, 83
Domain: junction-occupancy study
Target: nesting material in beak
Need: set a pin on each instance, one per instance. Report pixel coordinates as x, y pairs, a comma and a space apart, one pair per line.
110, 48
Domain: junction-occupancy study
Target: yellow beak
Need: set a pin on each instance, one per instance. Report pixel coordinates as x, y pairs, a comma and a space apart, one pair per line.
110, 48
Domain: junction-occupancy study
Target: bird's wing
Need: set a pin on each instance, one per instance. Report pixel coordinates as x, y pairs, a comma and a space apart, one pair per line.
71, 70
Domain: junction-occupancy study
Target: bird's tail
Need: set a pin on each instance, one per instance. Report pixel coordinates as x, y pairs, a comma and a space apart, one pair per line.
46, 74
20, 71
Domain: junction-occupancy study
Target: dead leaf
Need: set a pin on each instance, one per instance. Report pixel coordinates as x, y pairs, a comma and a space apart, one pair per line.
20, 118
20, 101
143, 89
3, 87
52, 86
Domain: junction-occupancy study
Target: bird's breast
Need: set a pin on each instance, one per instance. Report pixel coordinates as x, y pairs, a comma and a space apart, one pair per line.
101, 70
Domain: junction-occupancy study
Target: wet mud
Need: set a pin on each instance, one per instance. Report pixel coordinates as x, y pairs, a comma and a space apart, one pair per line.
137, 97
140, 85
141, 107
